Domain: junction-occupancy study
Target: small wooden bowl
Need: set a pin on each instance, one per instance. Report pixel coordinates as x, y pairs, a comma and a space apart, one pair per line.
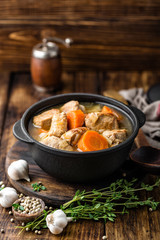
27, 217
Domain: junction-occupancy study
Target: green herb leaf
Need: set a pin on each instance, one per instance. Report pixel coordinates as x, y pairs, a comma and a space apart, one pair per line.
21, 208
17, 206
37, 187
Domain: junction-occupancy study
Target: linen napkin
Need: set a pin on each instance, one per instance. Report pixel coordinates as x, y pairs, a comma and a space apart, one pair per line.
137, 97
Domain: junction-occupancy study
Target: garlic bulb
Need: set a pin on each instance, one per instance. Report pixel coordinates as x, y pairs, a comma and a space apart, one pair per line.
7, 197
57, 221
19, 170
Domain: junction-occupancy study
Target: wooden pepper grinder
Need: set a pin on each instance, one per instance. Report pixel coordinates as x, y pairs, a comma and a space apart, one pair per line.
46, 66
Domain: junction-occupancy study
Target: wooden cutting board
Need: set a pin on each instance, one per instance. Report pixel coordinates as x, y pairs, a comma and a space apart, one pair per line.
57, 191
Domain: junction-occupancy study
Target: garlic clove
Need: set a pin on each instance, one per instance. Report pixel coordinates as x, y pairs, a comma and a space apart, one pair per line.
55, 229
57, 221
8, 196
59, 213
27, 179
61, 222
19, 170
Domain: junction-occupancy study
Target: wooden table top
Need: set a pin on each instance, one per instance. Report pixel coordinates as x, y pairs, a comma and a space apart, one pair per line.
16, 95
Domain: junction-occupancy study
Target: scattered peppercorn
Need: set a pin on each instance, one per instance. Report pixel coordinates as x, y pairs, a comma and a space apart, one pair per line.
12, 220
20, 195
10, 212
104, 237
2, 230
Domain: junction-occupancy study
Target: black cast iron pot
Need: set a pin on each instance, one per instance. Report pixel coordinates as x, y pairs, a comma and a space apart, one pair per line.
78, 166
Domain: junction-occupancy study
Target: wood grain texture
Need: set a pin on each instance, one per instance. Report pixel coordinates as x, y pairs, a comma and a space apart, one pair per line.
139, 224
110, 35
103, 8
4, 92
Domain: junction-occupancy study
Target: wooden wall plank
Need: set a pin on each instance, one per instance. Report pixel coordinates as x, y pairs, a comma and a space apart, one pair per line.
94, 48
4, 91
89, 8
108, 35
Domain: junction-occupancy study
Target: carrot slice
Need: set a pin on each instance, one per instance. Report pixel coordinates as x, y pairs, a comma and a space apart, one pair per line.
92, 141
40, 130
75, 119
107, 110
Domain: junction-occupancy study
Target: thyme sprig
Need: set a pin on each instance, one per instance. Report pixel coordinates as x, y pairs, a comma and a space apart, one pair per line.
105, 203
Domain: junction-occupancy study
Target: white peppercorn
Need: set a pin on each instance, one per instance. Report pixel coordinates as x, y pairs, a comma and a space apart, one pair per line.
104, 237
1, 183
2, 230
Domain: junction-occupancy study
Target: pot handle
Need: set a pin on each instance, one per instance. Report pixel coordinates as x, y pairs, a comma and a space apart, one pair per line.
139, 114
18, 133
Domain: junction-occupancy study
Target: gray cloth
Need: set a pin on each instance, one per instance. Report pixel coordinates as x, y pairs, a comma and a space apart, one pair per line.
137, 98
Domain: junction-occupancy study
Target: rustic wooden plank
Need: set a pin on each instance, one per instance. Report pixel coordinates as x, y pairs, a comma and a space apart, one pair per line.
4, 91
116, 47
154, 216
85, 82
119, 80
128, 226
108, 34
72, 9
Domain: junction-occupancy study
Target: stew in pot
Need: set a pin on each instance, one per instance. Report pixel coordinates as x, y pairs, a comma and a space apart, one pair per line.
80, 127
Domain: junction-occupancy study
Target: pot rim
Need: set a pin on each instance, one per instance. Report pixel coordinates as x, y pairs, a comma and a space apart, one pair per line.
114, 102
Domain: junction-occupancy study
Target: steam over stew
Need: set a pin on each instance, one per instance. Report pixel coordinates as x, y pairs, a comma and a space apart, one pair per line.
80, 127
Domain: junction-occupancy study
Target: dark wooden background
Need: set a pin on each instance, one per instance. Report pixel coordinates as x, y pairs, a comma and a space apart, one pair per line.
108, 34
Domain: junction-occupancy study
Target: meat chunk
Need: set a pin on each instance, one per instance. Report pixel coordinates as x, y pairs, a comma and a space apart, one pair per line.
72, 136
57, 143
72, 106
100, 122
58, 124
116, 136
44, 119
